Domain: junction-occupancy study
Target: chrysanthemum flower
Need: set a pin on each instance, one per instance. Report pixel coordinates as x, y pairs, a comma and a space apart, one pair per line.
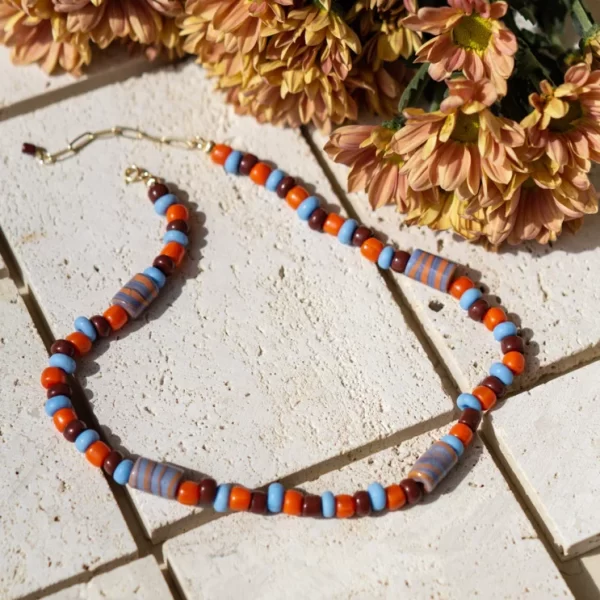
565, 122
31, 41
462, 146
469, 37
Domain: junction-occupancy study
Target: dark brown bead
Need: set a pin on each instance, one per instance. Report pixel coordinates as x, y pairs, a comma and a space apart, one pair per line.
63, 347
399, 261
361, 235
285, 185
258, 503
362, 503
28, 148
165, 264
208, 491
495, 385
178, 225
471, 418
478, 309
73, 429
311, 507
101, 325
317, 219
413, 490
512, 343
156, 191
59, 389
111, 462
246, 164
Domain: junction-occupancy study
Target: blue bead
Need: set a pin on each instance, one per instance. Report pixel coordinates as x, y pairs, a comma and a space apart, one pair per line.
275, 494
502, 372
84, 325
161, 205
56, 403
346, 232
328, 505
455, 443
232, 164
307, 207
156, 275
377, 496
385, 257
64, 362
176, 236
468, 401
469, 298
503, 330
85, 439
274, 180
221, 503
123, 471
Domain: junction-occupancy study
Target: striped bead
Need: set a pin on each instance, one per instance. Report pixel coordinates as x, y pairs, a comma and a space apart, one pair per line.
434, 465
155, 478
432, 270
136, 295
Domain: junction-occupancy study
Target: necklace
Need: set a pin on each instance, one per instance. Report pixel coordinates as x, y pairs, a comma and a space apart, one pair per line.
168, 481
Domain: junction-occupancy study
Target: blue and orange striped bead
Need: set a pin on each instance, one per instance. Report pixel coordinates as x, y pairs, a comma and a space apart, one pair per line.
155, 478
136, 295
432, 270
434, 465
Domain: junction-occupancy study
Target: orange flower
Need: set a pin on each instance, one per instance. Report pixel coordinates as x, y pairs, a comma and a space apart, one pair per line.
463, 146
565, 122
469, 37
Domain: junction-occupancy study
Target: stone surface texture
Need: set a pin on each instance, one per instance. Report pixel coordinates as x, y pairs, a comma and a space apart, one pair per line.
138, 580
471, 524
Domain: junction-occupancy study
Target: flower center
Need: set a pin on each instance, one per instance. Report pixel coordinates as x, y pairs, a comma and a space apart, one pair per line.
473, 32
567, 122
466, 128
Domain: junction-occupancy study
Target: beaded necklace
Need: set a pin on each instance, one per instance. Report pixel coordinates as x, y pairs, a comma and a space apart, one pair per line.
168, 481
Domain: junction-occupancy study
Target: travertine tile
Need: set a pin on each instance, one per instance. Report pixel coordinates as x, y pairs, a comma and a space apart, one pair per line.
471, 540
138, 580
549, 437
276, 347
549, 291
58, 517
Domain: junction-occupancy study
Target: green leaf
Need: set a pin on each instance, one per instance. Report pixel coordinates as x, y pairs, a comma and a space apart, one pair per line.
414, 90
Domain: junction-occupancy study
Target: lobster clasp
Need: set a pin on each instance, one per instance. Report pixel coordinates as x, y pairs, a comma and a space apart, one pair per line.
133, 174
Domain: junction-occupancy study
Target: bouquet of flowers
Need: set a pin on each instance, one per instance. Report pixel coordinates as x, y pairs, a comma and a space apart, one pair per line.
490, 124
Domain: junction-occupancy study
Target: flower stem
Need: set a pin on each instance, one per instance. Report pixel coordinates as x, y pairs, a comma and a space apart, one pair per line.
582, 16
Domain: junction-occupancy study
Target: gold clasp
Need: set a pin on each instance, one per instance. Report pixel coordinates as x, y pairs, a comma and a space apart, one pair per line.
133, 174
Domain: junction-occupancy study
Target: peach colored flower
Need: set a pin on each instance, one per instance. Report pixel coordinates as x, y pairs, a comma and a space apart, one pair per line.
469, 37
565, 122
463, 146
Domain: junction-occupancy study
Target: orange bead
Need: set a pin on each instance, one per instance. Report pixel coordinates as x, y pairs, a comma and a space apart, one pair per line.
371, 249
494, 316
260, 173
296, 196
344, 506
485, 396
239, 498
116, 317
81, 341
515, 361
333, 224
462, 432
219, 153
51, 376
460, 286
396, 498
175, 251
63, 417
97, 453
177, 212
188, 493
292, 503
